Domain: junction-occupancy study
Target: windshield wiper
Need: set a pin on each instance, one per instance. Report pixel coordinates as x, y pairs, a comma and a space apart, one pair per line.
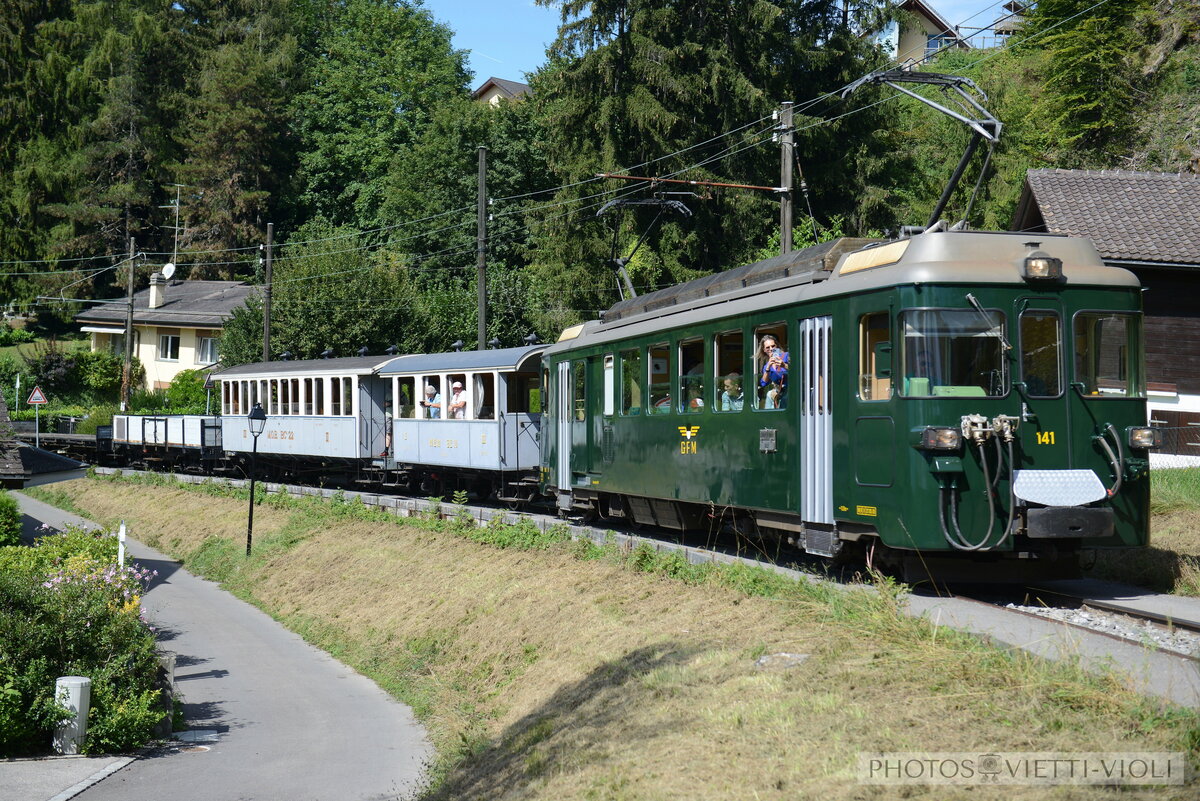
999, 331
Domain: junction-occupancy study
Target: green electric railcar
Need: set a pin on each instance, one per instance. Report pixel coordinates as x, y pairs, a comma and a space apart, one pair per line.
963, 394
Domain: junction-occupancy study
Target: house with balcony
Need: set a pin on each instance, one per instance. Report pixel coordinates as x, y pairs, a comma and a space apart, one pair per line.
176, 324
921, 34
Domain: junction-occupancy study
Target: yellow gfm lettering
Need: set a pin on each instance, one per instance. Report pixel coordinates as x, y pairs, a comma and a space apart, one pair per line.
687, 447
1045, 438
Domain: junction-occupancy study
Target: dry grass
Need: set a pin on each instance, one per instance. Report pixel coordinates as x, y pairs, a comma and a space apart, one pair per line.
1172, 562
563, 673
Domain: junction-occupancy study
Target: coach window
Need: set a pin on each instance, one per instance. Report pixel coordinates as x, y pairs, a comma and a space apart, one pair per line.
225, 408
1041, 360
660, 378
729, 360
874, 357
631, 382
609, 385
348, 396
405, 403
335, 396
274, 397
1104, 342
258, 391
234, 406
318, 396
285, 396
579, 391
307, 386
771, 365
484, 396
691, 376
524, 393
296, 399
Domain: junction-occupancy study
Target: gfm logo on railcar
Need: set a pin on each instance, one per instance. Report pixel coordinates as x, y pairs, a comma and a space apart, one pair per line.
687, 445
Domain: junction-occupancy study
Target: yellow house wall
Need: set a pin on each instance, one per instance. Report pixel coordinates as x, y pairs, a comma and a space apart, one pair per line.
160, 372
913, 40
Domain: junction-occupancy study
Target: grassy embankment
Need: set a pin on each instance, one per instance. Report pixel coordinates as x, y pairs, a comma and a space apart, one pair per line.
547, 669
1172, 562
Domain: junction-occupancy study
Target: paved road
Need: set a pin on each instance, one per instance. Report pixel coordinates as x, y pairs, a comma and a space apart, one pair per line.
289, 721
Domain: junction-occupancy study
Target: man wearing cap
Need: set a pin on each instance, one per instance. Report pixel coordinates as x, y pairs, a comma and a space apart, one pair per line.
458, 401
432, 402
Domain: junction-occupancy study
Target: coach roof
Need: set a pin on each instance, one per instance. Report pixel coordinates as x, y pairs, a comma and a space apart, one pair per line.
353, 365
525, 358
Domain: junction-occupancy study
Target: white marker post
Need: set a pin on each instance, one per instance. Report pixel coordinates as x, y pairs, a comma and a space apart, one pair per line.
121, 545
37, 399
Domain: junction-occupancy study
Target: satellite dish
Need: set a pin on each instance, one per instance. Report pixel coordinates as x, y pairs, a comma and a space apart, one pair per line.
168, 270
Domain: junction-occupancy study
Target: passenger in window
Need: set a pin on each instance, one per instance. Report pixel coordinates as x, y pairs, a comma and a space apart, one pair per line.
458, 401
773, 378
695, 398
731, 398
432, 402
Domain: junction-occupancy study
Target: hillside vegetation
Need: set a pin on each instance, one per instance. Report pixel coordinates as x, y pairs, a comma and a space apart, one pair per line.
550, 669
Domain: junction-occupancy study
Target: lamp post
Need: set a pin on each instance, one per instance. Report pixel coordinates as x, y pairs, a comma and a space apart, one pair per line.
257, 420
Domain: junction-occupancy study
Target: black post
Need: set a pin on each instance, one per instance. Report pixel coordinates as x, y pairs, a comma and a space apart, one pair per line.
250, 523
266, 352
787, 142
481, 249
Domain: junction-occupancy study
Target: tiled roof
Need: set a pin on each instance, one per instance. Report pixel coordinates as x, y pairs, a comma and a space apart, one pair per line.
507, 88
1131, 216
192, 304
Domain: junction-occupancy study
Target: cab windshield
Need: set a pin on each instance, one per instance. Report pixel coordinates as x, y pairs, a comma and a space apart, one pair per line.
953, 353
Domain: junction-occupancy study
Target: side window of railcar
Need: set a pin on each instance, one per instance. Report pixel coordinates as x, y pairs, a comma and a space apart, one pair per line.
691, 376
524, 393
1104, 342
729, 360
274, 398
631, 381
319, 396
771, 365
405, 400
953, 353
1041, 343
579, 393
875, 357
484, 396
660, 379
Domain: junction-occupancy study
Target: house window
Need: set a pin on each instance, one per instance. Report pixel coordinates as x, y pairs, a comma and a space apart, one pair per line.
168, 347
206, 350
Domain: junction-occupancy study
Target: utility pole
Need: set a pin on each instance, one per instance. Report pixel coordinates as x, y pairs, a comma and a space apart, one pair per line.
481, 249
127, 369
266, 357
787, 142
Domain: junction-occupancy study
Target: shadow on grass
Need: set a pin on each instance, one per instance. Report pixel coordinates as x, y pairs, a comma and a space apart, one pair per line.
570, 730
1152, 568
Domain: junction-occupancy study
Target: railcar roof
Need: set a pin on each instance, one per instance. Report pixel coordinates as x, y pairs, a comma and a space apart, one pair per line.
351, 365
522, 358
945, 257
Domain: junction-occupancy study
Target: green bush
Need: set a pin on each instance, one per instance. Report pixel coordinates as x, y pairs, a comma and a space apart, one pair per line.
67, 609
186, 389
14, 336
10, 520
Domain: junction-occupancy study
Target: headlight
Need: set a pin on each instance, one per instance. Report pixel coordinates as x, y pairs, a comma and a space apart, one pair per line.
1144, 437
1041, 266
941, 439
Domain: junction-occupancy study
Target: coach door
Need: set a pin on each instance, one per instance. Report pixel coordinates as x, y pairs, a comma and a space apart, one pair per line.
816, 421
563, 415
